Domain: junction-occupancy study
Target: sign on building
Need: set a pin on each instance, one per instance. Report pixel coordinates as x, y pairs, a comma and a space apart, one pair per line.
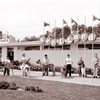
76, 37
84, 36
91, 37
69, 40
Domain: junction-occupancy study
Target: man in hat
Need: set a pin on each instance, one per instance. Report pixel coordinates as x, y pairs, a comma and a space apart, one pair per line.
45, 65
68, 65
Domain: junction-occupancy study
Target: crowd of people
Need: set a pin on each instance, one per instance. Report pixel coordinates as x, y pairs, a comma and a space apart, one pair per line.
81, 64
7, 64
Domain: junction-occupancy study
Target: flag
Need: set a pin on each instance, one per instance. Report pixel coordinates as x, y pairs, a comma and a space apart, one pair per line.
46, 24
64, 22
95, 18
0, 34
72, 21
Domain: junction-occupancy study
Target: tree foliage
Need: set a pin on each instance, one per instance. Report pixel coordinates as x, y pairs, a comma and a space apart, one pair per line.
57, 32
33, 38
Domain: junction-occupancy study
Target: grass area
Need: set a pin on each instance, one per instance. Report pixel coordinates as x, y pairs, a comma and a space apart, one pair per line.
52, 90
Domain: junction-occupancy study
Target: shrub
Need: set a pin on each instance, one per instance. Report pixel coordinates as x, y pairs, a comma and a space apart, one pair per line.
58, 69
89, 71
32, 88
4, 85
12, 86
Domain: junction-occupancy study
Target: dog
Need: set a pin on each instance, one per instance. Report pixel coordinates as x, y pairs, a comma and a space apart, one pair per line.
25, 69
50, 67
63, 71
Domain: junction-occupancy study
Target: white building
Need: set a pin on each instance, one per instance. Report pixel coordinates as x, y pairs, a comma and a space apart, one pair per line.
35, 50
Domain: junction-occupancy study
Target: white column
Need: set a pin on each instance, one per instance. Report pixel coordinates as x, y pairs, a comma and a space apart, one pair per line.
15, 53
4, 53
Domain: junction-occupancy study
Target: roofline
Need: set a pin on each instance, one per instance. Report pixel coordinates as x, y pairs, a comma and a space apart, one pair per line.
38, 43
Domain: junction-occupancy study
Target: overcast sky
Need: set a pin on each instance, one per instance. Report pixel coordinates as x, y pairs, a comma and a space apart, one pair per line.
25, 17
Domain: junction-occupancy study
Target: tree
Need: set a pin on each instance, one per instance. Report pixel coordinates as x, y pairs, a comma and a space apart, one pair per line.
82, 28
96, 30
56, 32
89, 29
33, 38
66, 31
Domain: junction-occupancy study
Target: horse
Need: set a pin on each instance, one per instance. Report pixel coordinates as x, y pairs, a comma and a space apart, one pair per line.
49, 67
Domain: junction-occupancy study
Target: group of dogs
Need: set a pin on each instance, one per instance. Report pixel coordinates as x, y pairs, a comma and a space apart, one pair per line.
25, 68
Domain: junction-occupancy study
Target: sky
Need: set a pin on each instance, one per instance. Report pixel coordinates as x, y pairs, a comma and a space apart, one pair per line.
22, 18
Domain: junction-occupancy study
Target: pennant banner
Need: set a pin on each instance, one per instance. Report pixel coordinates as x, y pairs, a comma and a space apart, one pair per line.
72, 21
64, 22
46, 24
95, 18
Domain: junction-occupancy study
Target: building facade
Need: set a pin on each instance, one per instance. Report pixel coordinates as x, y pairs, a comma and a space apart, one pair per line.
36, 50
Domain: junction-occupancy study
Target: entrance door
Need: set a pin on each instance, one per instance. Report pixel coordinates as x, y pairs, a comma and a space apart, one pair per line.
10, 53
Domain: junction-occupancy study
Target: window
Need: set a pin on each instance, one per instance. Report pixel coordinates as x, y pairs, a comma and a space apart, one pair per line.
96, 46
32, 48
89, 46
65, 47
81, 46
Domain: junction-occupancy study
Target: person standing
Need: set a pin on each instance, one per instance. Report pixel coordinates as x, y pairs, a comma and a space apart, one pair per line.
95, 64
68, 65
81, 67
23, 60
45, 65
11, 58
7, 66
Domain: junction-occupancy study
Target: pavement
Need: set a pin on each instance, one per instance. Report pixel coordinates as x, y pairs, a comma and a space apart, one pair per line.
89, 80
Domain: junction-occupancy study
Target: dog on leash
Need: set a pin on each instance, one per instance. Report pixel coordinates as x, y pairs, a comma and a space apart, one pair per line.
25, 69
50, 66
63, 71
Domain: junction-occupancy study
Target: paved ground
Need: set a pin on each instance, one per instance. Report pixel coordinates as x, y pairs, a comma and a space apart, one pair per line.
74, 79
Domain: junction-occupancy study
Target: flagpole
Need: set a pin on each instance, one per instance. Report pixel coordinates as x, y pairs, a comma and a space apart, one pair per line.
55, 36
43, 38
55, 40
62, 34
84, 41
77, 32
7, 34
92, 42
48, 35
71, 34
49, 38
62, 44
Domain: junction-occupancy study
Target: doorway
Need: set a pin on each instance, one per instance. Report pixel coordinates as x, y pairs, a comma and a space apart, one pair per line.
10, 54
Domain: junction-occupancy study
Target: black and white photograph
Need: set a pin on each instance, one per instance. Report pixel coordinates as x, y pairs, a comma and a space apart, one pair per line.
49, 50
